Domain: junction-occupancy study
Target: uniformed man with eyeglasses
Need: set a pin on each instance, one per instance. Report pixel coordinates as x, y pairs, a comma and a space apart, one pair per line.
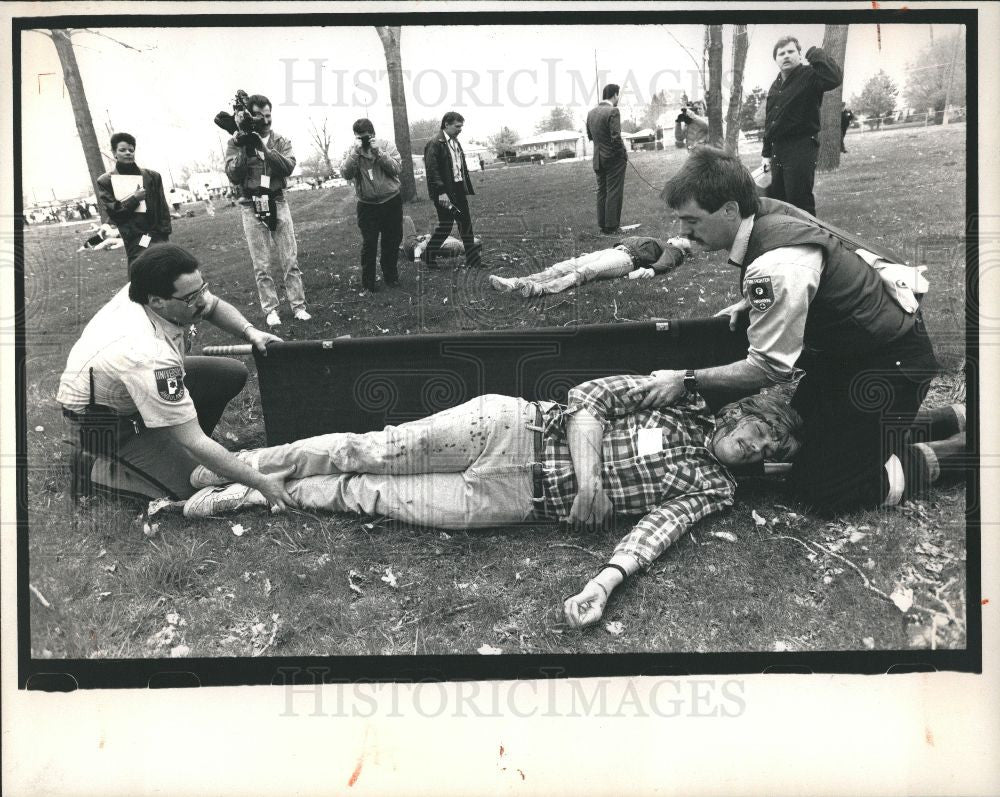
130, 368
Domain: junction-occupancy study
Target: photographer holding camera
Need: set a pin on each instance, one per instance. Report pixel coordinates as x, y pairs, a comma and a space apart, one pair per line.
373, 165
259, 162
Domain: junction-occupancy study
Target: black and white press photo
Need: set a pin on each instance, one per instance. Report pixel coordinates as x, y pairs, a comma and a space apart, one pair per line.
648, 338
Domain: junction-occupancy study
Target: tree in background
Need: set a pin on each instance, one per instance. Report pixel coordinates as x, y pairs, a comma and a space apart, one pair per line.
714, 95
559, 118
422, 131
657, 106
390, 36
740, 44
321, 140
502, 142
936, 77
877, 100
62, 39
748, 111
835, 46
629, 126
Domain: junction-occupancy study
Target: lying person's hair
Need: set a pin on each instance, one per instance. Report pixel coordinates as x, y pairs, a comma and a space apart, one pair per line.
784, 422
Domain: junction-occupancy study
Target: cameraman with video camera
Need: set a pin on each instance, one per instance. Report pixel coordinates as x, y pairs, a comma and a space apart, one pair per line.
259, 162
373, 165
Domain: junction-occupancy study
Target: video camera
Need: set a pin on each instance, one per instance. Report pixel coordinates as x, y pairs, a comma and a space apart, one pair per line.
250, 124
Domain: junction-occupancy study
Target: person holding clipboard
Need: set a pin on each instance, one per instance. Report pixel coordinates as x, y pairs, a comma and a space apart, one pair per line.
134, 200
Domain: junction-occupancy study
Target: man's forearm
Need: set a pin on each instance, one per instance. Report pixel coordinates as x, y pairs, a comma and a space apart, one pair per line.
584, 434
735, 376
229, 319
217, 459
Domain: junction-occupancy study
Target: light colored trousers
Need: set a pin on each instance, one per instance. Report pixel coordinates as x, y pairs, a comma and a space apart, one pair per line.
265, 248
467, 466
603, 264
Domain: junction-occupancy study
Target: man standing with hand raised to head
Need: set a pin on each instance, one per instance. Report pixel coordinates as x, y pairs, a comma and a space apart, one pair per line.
791, 123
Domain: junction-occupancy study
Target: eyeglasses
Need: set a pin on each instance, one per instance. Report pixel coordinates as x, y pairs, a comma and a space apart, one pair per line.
190, 298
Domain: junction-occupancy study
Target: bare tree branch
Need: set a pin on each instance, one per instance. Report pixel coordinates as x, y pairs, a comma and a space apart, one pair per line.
123, 44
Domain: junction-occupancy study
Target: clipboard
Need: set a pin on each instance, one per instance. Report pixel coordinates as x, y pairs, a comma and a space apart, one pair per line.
124, 185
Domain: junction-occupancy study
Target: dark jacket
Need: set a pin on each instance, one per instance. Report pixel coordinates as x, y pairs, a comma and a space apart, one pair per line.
793, 102
605, 130
438, 165
852, 312
155, 221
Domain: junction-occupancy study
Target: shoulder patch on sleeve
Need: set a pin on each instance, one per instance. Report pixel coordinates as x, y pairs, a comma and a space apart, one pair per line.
170, 383
759, 292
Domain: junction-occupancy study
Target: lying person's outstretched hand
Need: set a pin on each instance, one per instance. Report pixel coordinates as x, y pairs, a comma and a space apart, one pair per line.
272, 487
587, 606
641, 274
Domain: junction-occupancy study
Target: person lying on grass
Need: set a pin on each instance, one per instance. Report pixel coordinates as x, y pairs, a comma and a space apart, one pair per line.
498, 460
637, 256
414, 247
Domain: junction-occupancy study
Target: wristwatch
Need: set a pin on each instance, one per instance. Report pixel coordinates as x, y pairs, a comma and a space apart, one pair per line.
690, 381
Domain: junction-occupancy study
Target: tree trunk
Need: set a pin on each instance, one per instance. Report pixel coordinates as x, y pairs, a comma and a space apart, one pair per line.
736, 90
714, 98
390, 36
828, 158
81, 109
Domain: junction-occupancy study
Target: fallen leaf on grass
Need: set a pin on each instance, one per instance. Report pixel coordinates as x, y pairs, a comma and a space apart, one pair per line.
267, 586
869, 642
856, 536
615, 628
150, 529
728, 536
238, 529
780, 647
390, 578
102, 595
757, 519
903, 598
231, 436
102, 553
39, 428
488, 650
179, 651
444, 536
351, 575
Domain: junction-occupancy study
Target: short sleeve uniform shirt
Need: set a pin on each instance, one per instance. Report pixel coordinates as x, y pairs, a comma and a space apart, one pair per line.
138, 363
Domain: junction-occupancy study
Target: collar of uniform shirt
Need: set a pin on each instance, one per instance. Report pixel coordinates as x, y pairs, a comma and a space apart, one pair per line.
741, 242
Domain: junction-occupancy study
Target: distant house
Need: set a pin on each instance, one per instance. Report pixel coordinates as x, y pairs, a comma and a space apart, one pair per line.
213, 183
639, 138
549, 144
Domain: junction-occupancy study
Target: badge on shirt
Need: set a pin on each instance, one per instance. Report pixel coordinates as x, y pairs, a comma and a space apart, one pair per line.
170, 383
265, 181
759, 293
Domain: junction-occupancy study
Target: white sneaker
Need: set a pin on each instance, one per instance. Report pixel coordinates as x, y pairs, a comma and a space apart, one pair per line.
273, 319
217, 500
302, 315
203, 477
504, 285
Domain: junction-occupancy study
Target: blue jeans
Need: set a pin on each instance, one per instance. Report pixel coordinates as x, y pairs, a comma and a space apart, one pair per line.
266, 247
467, 466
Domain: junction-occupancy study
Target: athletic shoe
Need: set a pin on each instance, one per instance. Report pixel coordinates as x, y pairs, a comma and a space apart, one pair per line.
302, 315
504, 284
218, 500
273, 319
203, 477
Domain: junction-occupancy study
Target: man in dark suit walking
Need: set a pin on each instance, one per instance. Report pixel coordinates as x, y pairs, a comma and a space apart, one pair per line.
449, 185
610, 158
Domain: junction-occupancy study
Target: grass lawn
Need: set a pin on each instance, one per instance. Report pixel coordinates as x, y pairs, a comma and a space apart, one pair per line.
285, 586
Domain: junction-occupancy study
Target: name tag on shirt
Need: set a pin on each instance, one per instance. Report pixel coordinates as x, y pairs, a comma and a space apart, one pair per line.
265, 181
650, 441
145, 240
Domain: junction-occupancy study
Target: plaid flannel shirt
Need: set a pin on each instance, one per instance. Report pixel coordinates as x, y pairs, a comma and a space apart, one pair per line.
673, 487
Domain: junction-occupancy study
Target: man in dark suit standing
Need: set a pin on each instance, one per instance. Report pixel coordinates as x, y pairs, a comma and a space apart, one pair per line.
449, 185
610, 158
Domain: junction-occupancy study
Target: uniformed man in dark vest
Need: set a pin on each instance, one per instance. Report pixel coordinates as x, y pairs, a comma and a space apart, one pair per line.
819, 315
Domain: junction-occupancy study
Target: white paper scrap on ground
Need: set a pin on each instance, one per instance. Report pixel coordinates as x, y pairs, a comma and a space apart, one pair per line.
628, 227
